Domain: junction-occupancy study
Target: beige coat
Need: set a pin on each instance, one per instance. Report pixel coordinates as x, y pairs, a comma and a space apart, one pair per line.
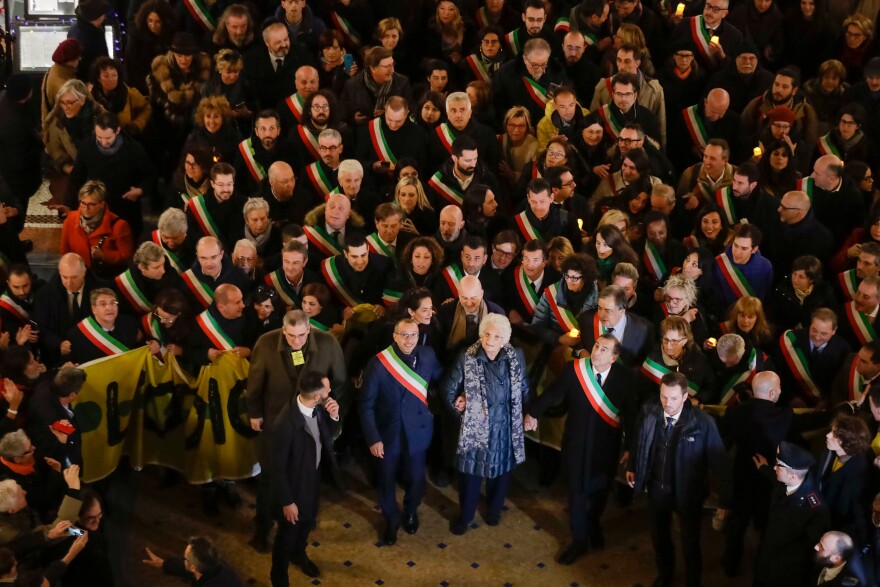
52, 82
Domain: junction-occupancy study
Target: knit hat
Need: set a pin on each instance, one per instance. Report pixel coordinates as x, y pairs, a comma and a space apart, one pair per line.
67, 50
746, 46
184, 44
872, 67
782, 114
18, 86
92, 9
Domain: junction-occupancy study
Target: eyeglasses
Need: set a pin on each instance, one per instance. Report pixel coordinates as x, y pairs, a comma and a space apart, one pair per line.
407, 335
787, 208
855, 35
90, 205
569, 183
848, 122
330, 148
674, 340
106, 304
672, 300
491, 337
321, 107
491, 42
170, 320
714, 9
781, 125
556, 154
570, 277
624, 94
624, 141
538, 66
685, 55
504, 253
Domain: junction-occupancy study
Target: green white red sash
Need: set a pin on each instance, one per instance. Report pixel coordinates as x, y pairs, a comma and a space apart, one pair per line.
13, 307
203, 293
185, 197
827, 147
318, 178
152, 328
452, 274
318, 325
277, 281
345, 27
129, 288
246, 148
390, 297
449, 193
295, 103
172, 257
695, 126
479, 69
525, 227
380, 143
798, 366
536, 92
860, 324
595, 394
101, 338
700, 35
203, 217
334, 280
598, 328
691, 242
724, 199
806, 185
591, 39
377, 246
612, 125
200, 14
702, 192
563, 25
405, 376
309, 139
653, 261
512, 39
482, 18
563, 315
849, 283
319, 237
655, 372
527, 293
727, 394
215, 334
446, 135
734, 277
855, 383
609, 87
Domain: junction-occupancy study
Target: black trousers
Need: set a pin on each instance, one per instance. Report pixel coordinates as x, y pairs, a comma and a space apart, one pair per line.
413, 467
585, 513
291, 539
661, 506
469, 494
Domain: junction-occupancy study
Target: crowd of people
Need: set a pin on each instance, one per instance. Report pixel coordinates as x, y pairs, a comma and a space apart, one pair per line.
430, 225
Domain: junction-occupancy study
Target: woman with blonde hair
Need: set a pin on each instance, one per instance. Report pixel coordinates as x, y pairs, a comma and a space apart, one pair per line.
856, 43
227, 81
747, 319
70, 122
215, 129
627, 34
518, 144
409, 194
447, 33
558, 250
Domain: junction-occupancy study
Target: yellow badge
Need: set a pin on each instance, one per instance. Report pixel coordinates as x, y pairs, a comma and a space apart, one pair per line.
298, 358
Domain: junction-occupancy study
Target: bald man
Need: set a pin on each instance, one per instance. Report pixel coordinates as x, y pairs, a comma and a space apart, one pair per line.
754, 427
801, 233
291, 108
839, 561
279, 189
710, 119
460, 321
837, 199
451, 233
222, 328
212, 268
326, 227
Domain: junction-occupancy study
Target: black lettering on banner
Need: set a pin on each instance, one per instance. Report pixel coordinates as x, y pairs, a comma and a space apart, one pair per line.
171, 417
237, 410
215, 408
195, 439
115, 433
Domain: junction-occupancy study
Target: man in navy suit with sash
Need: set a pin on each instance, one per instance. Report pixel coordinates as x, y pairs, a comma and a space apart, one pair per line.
397, 423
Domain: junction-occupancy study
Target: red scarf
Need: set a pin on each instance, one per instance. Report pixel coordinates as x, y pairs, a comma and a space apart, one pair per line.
17, 468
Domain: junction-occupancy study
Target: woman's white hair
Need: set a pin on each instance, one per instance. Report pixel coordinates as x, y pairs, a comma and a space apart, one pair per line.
500, 322
9, 492
255, 204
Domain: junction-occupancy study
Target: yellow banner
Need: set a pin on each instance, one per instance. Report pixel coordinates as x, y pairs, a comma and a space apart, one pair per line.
132, 405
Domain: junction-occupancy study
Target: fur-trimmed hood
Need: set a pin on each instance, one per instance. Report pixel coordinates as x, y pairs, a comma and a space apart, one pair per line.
316, 214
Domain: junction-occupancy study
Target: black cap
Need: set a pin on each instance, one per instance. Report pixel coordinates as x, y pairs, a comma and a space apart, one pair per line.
184, 44
746, 46
791, 456
872, 67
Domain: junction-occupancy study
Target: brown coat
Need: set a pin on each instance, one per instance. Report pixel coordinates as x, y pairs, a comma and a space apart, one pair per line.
52, 82
174, 92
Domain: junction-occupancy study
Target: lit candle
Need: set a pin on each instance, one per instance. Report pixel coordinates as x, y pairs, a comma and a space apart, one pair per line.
575, 333
711, 342
714, 39
679, 10
580, 223
757, 151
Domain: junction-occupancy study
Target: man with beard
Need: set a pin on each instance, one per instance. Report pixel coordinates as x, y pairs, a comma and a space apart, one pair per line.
624, 109
564, 196
256, 153
579, 69
867, 93
526, 80
534, 26
322, 174
715, 39
839, 562
387, 138
632, 136
270, 67
291, 108
748, 202
484, 64
867, 265
235, 30
458, 173
357, 276
321, 111
743, 78
697, 124
784, 92
451, 233
17, 305
472, 261
460, 122
590, 18
218, 213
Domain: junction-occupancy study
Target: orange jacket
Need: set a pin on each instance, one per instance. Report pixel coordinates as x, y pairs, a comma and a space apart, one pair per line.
118, 247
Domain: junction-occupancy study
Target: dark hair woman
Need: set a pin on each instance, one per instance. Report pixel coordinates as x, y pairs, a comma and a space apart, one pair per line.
779, 169
154, 27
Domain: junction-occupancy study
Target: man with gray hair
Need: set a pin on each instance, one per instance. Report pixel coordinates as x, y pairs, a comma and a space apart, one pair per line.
351, 185
172, 235
270, 66
148, 275
461, 122
39, 477
735, 363
636, 335
321, 176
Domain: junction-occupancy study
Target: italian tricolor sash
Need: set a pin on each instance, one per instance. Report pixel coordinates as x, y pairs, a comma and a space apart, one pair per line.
849, 283
319, 237
452, 274
653, 261
537, 93
344, 27
449, 193
11, 306
595, 394
724, 199
598, 329
860, 324
277, 281
655, 372
318, 325
609, 87
152, 328
691, 242
512, 39
200, 14
377, 246
727, 394
295, 103
246, 148
826, 146
390, 297
700, 35
334, 280
734, 277
479, 69
798, 366
446, 135
215, 334
612, 125
309, 139
482, 17
563, 315
172, 257
591, 39
855, 383
203, 217
129, 288
318, 178
615, 180
526, 292
203, 293
380, 144
525, 227
695, 126
405, 376
806, 185
101, 338
563, 25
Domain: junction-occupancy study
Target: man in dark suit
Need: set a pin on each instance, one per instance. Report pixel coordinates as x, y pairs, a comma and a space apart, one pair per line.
357, 276
459, 322
397, 424
301, 441
53, 403
599, 394
473, 258
278, 360
524, 285
212, 268
61, 304
104, 333
271, 67
634, 332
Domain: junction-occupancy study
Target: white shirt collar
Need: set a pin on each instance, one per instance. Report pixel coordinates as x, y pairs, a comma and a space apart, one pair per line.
304, 410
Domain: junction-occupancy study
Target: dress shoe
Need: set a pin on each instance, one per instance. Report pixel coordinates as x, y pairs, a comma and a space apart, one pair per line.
390, 535
573, 552
458, 527
411, 523
306, 565
492, 519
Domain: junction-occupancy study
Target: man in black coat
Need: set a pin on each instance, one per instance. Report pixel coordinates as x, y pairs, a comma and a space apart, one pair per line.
636, 334
472, 261
460, 123
149, 274
357, 276
599, 394
579, 69
218, 213
364, 95
800, 233
88, 30
270, 67
387, 138
711, 56
462, 169
259, 151
212, 268
696, 124
459, 322
302, 440
523, 286
19, 138
676, 445
743, 77
221, 328
751, 204
50, 404
836, 199
539, 218
103, 334
624, 111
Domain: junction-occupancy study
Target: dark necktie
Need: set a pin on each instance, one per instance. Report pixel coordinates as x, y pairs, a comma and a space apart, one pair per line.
532, 285
670, 423
74, 306
278, 64
610, 330
599, 379
471, 328
814, 354
335, 234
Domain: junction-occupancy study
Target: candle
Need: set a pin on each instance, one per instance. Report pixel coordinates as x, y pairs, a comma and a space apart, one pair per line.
580, 224
679, 10
575, 333
757, 151
714, 39
711, 342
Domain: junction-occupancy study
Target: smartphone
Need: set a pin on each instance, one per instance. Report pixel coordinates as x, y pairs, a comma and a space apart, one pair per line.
34, 326
347, 62
67, 463
63, 428
74, 531
385, 163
